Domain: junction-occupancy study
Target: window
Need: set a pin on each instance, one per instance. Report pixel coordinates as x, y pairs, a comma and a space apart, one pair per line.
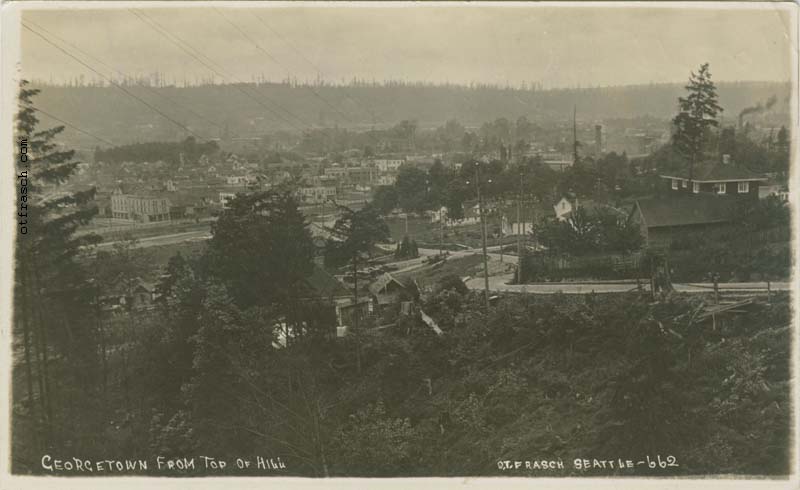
675, 184
685, 183
744, 187
722, 188
695, 187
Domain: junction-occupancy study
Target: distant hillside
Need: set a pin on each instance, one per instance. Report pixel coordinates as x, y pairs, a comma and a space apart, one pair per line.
253, 110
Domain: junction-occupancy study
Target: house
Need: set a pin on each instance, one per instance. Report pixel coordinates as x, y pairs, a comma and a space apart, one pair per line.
662, 220
569, 203
241, 180
336, 172
320, 286
142, 294
129, 294
772, 188
472, 215
360, 176
392, 295
386, 179
522, 225
225, 198
559, 165
387, 290
719, 178
388, 164
565, 206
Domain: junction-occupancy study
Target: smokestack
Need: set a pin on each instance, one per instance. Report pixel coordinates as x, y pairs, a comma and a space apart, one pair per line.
756, 109
598, 139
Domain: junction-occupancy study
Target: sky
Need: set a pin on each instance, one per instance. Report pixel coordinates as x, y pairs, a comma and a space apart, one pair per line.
553, 46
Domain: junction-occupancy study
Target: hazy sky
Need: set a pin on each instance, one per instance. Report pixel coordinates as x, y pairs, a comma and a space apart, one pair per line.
557, 47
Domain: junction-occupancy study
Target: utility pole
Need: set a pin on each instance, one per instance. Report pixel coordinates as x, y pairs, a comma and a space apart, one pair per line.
441, 231
574, 134
500, 236
483, 234
519, 230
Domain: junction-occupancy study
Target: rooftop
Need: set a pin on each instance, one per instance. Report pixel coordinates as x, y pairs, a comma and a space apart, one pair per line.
684, 210
320, 284
718, 172
382, 282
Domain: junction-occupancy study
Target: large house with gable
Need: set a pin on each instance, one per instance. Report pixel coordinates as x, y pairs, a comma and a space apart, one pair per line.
703, 202
721, 178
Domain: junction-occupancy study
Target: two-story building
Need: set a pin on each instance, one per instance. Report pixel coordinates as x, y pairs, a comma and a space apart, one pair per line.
706, 200
715, 178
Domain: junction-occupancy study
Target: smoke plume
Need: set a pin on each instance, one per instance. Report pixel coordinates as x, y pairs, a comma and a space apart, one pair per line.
757, 109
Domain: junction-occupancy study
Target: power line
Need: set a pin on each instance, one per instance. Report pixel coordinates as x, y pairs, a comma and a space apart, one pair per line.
208, 62
218, 70
314, 65
76, 128
86, 65
125, 75
275, 60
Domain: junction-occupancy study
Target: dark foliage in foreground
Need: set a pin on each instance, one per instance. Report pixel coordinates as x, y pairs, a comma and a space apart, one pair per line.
537, 378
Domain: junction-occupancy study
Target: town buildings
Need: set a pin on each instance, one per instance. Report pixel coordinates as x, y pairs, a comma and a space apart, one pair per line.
143, 208
316, 194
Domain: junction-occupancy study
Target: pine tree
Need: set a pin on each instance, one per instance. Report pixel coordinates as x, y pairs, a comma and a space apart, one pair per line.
354, 235
697, 115
262, 249
52, 294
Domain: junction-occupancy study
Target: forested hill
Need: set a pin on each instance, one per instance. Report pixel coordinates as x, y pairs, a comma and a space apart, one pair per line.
250, 110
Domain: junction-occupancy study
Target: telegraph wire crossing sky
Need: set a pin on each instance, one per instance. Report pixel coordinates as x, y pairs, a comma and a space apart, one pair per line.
552, 47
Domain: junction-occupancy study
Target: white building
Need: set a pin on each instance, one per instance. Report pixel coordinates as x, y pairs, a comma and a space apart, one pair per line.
564, 207
386, 179
388, 165
316, 194
471, 216
140, 208
224, 198
240, 179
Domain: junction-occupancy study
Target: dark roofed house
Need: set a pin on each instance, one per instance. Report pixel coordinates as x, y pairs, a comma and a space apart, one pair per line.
133, 293
387, 289
722, 178
388, 292
320, 286
660, 220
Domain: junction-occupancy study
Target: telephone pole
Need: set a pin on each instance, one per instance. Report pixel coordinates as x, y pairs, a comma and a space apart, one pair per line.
574, 134
519, 229
483, 234
441, 231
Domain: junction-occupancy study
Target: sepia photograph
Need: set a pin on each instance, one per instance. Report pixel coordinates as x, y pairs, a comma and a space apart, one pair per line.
399, 240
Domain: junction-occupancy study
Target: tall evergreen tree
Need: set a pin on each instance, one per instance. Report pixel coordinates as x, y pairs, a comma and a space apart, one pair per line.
697, 115
52, 297
261, 249
354, 235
